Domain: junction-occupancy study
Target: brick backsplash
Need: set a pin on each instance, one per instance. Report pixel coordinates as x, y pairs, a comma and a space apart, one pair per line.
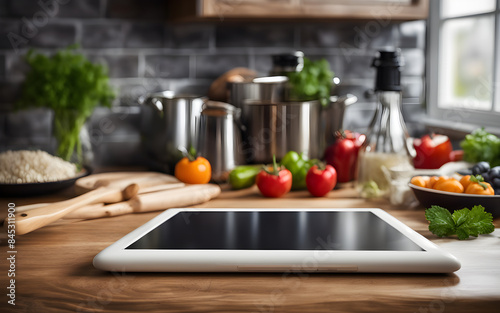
145, 52
61, 9
254, 35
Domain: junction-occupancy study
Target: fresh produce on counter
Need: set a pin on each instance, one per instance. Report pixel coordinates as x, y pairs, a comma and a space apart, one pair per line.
490, 175
481, 146
432, 151
244, 176
321, 179
274, 182
469, 184
298, 165
343, 154
463, 223
192, 169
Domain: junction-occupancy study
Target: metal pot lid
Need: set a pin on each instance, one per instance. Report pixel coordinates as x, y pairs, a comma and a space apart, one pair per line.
171, 95
281, 103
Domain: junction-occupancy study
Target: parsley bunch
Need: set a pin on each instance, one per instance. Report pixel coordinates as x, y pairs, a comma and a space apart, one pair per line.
463, 223
313, 82
69, 84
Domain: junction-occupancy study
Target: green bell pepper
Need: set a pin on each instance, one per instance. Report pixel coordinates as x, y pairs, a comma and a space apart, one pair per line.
298, 165
244, 176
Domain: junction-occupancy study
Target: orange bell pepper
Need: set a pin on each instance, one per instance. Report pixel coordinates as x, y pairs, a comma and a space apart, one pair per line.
193, 169
477, 186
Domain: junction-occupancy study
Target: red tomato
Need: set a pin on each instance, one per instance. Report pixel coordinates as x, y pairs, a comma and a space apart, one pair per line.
432, 151
321, 181
275, 182
343, 154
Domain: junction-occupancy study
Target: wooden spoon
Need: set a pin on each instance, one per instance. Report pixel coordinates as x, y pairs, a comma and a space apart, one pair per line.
31, 220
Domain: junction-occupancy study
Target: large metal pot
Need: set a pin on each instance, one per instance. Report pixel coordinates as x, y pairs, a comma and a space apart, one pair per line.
169, 121
276, 128
305, 127
333, 116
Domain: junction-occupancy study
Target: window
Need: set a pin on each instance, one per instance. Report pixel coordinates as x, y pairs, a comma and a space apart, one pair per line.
463, 63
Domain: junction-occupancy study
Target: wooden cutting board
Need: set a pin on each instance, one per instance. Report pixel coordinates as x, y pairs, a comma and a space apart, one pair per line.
147, 181
152, 201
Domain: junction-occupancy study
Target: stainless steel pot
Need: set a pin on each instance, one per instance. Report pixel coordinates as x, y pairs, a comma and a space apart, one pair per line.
333, 116
220, 138
270, 89
305, 127
276, 128
169, 121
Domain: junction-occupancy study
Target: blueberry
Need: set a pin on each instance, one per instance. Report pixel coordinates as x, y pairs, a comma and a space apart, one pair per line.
495, 182
494, 172
476, 170
486, 176
497, 192
480, 167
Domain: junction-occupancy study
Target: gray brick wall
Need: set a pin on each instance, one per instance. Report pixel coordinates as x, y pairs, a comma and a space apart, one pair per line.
146, 52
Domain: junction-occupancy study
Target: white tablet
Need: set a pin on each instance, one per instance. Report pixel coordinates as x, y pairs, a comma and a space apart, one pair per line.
275, 240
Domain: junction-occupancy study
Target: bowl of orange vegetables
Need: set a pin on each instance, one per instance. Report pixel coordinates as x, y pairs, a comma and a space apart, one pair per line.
455, 193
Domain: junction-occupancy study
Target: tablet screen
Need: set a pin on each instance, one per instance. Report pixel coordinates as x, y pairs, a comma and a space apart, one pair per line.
283, 230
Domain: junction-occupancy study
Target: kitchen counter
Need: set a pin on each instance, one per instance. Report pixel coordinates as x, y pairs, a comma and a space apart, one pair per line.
54, 271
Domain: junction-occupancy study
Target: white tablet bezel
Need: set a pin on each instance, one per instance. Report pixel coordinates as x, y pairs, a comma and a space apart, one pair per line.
432, 260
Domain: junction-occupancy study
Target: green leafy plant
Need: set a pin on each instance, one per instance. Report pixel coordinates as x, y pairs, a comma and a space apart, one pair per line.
312, 83
72, 86
481, 146
463, 223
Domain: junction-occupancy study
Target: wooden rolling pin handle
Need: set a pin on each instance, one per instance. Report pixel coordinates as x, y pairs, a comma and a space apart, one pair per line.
36, 218
159, 200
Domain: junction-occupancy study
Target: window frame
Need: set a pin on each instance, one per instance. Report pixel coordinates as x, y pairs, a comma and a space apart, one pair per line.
455, 117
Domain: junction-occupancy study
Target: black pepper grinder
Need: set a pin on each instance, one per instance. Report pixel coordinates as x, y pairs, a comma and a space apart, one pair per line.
287, 63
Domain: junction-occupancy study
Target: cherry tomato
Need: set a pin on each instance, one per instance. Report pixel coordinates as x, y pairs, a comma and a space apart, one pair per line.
274, 182
343, 154
197, 171
321, 181
432, 151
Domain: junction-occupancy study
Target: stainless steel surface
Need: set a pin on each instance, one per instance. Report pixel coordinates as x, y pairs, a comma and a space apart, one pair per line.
270, 89
220, 140
276, 128
333, 115
169, 121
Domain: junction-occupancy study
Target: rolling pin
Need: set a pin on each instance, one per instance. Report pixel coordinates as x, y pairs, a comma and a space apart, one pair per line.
31, 220
154, 201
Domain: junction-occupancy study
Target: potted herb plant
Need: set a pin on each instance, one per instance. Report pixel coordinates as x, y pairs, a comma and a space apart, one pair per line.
72, 86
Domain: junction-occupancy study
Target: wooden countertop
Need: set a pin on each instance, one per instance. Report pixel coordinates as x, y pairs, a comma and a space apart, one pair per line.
54, 272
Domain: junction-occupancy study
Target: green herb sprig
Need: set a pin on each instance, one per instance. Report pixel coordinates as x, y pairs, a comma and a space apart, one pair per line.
69, 84
314, 82
463, 223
